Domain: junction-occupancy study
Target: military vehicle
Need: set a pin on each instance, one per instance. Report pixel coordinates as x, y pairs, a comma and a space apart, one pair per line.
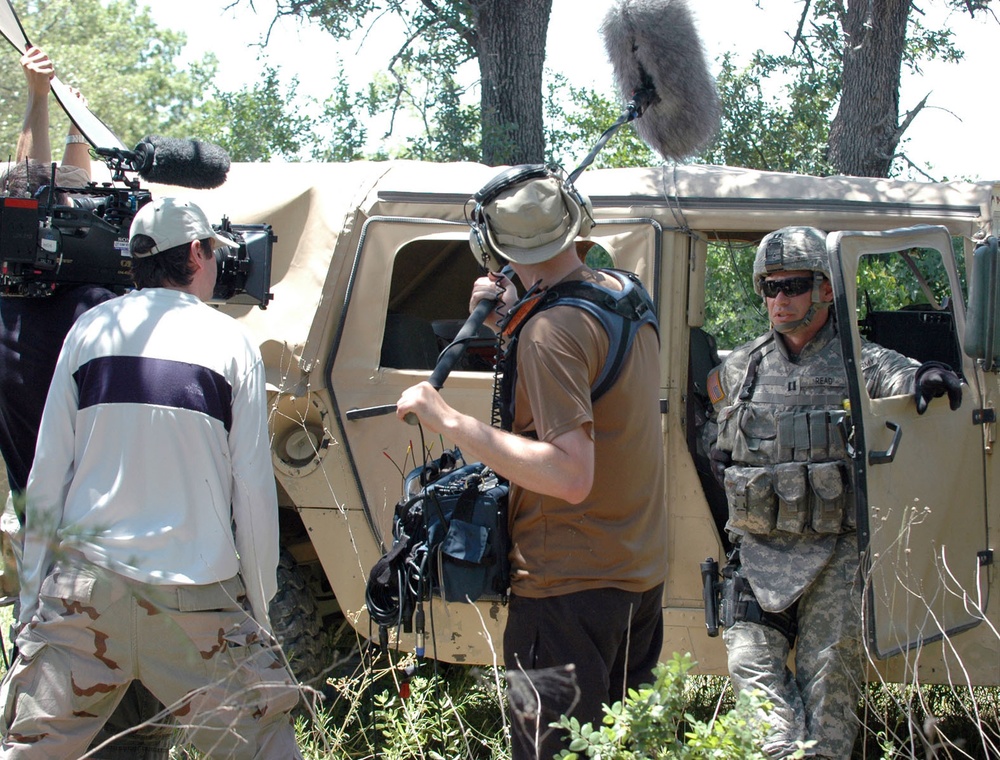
371, 276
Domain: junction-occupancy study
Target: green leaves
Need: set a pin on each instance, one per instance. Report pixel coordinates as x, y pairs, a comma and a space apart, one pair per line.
118, 58
653, 724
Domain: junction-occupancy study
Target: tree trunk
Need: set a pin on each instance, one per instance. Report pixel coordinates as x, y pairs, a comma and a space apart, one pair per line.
865, 132
511, 56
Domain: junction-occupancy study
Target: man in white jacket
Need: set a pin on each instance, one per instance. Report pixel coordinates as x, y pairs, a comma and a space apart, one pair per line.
151, 519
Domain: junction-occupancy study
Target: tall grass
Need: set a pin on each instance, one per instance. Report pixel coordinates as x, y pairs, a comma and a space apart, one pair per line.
397, 708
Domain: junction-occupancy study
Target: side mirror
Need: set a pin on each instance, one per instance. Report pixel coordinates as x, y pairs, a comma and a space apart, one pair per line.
982, 324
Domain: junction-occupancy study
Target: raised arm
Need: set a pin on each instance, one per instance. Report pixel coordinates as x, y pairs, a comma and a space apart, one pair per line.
33, 142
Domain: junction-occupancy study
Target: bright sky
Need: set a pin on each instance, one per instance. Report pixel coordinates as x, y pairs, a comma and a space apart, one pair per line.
955, 134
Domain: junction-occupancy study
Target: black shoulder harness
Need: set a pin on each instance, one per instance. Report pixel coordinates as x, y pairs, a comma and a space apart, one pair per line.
620, 312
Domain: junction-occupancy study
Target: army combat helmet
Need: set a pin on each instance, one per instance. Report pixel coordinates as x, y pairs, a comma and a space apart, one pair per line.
793, 249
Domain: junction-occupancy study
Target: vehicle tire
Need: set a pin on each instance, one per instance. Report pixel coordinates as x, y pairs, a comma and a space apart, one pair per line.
298, 625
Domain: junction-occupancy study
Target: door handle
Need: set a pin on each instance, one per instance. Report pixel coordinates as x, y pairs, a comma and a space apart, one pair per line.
884, 457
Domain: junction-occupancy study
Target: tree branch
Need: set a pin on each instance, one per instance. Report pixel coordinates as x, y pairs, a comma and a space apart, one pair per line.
916, 168
802, 23
907, 120
464, 32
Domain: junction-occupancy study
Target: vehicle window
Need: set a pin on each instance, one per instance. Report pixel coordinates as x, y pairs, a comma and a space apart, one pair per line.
904, 303
428, 303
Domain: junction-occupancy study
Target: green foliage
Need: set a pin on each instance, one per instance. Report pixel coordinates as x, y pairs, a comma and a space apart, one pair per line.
126, 66
418, 86
254, 124
652, 723
437, 36
784, 132
116, 55
345, 130
576, 118
451, 129
734, 314
450, 712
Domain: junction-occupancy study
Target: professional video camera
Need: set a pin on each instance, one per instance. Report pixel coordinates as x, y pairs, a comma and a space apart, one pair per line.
44, 244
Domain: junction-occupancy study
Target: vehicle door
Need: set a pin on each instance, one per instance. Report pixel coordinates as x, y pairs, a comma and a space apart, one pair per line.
919, 479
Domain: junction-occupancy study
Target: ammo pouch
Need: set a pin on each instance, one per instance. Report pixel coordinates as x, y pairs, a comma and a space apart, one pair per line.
737, 603
828, 482
794, 497
753, 505
792, 489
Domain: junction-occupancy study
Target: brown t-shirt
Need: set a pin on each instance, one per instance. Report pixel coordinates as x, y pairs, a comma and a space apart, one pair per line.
617, 536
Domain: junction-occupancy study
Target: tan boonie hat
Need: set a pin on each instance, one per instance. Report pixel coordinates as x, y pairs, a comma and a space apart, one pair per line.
532, 222
171, 222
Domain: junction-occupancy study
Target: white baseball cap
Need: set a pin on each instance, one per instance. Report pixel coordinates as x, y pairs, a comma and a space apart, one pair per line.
171, 222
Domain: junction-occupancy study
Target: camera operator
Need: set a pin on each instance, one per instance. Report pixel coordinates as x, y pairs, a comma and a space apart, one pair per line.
151, 538
31, 333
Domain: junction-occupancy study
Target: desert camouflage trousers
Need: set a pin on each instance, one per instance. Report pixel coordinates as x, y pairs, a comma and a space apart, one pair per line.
819, 701
193, 647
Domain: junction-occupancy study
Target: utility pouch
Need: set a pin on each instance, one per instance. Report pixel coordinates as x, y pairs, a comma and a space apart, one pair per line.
753, 506
836, 434
785, 447
829, 497
728, 427
819, 435
791, 486
756, 438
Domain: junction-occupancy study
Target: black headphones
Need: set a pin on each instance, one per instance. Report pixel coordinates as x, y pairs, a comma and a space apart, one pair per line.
515, 175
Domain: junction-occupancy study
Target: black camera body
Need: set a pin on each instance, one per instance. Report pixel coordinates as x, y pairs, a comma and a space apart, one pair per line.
44, 245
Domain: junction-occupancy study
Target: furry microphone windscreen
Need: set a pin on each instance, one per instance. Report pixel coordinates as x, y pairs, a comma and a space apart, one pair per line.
654, 44
187, 163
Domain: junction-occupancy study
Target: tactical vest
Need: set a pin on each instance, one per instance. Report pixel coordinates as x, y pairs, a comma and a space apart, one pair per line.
621, 314
784, 428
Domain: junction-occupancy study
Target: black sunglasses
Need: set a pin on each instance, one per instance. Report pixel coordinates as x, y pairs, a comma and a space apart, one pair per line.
793, 286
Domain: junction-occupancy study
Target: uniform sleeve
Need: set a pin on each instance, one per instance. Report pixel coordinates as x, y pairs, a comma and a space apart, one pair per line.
48, 483
723, 385
886, 372
255, 502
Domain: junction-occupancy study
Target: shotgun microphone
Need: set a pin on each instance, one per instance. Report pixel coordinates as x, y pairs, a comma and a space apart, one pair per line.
187, 163
659, 63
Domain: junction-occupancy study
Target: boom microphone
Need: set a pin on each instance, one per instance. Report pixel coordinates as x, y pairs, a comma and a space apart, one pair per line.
187, 163
659, 63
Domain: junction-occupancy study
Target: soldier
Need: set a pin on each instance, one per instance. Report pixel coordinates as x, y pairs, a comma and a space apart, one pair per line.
793, 578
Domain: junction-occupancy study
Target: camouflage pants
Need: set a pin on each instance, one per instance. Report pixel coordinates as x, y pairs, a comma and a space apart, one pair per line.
127, 735
193, 647
819, 701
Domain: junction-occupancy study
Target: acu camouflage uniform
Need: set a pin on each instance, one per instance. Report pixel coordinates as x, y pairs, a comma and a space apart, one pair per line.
792, 515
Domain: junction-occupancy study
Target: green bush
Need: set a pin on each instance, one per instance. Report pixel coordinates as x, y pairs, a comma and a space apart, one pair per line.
653, 723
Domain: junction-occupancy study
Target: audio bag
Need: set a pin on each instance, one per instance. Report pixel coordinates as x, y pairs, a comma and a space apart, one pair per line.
450, 537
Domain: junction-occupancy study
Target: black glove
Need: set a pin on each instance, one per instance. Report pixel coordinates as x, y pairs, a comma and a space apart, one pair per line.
935, 379
720, 459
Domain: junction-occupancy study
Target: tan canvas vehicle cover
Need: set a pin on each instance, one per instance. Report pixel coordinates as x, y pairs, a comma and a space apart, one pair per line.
346, 233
